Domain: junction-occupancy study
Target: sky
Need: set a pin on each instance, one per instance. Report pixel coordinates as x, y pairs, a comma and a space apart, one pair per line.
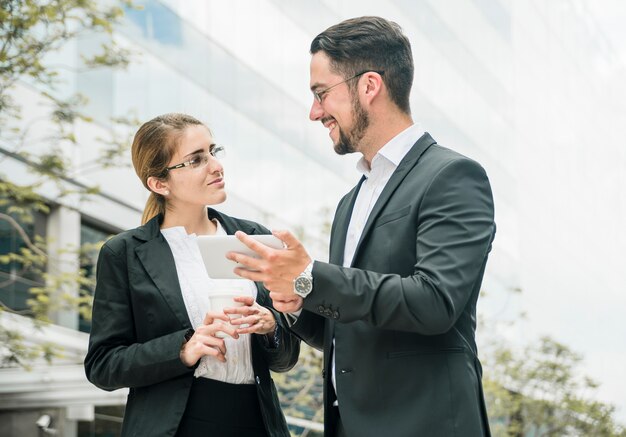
570, 164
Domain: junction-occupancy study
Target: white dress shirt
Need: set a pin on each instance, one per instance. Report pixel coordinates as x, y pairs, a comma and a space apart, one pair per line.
196, 287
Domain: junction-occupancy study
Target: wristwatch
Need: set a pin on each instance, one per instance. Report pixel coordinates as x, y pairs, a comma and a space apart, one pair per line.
303, 284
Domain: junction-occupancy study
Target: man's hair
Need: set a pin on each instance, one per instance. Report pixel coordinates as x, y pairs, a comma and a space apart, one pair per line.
370, 44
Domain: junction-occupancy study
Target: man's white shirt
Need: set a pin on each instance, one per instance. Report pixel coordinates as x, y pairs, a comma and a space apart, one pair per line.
384, 163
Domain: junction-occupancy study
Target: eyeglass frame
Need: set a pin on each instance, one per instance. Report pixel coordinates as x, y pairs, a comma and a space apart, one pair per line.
214, 149
319, 95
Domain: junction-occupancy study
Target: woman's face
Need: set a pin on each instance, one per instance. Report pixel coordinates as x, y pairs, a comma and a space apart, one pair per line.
197, 184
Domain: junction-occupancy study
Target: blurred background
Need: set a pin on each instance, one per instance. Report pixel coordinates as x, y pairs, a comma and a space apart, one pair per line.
534, 90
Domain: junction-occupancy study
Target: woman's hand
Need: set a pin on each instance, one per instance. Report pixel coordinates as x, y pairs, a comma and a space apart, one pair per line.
259, 320
205, 342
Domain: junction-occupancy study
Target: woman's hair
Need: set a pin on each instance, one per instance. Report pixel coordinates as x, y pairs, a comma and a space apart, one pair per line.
364, 44
153, 147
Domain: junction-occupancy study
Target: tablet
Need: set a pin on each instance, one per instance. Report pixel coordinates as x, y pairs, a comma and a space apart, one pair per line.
214, 248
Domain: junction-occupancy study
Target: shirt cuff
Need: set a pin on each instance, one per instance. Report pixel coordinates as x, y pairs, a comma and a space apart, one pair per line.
292, 318
272, 340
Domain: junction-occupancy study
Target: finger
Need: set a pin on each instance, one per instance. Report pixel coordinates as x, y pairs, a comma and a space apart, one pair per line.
243, 311
201, 346
226, 329
250, 320
211, 316
260, 327
217, 329
214, 352
253, 329
288, 238
246, 300
252, 275
215, 342
248, 262
207, 339
261, 249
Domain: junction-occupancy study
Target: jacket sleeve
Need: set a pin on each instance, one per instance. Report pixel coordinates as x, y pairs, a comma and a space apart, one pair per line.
282, 353
309, 328
454, 232
115, 358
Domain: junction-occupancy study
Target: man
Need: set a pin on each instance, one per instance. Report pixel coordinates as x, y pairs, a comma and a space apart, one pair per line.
395, 308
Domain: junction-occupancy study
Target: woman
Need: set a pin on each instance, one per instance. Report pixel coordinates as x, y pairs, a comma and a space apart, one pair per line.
153, 290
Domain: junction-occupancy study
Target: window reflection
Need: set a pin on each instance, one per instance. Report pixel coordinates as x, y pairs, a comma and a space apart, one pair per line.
16, 279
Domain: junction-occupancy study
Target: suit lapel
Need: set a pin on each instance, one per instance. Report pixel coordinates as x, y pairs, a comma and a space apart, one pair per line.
229, 224
156, 257
340, 226
407, 163
337, 248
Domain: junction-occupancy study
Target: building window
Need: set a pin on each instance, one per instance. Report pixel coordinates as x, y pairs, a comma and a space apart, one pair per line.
91, 236
107, 422
16, 279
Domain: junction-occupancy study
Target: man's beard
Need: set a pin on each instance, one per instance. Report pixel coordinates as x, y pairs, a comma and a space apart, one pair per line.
349, 142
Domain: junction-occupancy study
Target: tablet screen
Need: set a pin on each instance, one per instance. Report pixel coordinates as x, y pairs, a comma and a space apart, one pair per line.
214, 248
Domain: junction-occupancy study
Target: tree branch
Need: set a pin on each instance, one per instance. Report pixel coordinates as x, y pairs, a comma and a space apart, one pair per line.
15, 225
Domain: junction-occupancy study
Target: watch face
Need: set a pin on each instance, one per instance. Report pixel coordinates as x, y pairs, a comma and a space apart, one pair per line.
303, 286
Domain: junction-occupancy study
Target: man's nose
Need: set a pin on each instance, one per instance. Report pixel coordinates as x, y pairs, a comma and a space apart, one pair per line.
317, 111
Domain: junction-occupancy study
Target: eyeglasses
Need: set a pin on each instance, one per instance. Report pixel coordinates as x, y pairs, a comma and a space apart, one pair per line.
319, 95
201, 159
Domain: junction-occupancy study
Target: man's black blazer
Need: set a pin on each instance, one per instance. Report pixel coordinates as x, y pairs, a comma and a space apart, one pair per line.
138, 326
403, 316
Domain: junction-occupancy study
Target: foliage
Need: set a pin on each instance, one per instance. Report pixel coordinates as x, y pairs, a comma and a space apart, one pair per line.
300, 390
539, 391
32, 34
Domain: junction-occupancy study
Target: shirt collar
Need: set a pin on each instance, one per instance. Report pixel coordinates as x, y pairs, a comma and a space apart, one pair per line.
395, 150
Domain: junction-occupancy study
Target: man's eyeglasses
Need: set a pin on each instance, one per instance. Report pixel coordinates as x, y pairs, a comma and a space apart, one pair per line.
201, 159
319, 95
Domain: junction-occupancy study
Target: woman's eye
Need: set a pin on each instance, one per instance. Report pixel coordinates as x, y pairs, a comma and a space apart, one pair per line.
194, 162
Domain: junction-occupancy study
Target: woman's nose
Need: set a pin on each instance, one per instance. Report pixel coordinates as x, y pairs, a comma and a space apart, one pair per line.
214, 165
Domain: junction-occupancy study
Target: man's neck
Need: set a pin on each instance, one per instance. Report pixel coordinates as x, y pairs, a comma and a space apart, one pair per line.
382, 132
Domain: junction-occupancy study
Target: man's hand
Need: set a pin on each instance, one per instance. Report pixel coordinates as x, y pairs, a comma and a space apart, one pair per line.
286, 306
275, 268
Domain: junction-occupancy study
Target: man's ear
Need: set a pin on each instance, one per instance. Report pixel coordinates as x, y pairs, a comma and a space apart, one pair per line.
158, 186
373, 85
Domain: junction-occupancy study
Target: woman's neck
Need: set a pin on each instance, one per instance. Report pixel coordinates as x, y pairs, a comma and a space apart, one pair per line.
195, 222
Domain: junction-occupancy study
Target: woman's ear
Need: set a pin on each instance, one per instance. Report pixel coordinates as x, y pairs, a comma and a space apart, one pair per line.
158, 186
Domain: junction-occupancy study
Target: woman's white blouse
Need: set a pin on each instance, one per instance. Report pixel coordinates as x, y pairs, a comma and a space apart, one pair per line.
196, 287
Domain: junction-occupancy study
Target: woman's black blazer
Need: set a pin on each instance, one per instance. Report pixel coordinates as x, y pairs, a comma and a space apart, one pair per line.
138, 325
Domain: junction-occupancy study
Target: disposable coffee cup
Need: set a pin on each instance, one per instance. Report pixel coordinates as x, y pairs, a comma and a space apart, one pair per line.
224, 298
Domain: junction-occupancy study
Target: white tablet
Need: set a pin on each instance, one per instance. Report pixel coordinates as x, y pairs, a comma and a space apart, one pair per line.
214, 248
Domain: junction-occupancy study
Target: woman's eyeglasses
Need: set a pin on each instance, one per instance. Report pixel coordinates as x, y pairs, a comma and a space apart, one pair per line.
201, 159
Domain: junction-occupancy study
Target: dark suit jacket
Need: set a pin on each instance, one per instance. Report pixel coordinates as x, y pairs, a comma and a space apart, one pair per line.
404, 315
138, 326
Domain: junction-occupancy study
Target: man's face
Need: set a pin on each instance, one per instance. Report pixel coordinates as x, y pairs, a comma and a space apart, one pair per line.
340, 111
